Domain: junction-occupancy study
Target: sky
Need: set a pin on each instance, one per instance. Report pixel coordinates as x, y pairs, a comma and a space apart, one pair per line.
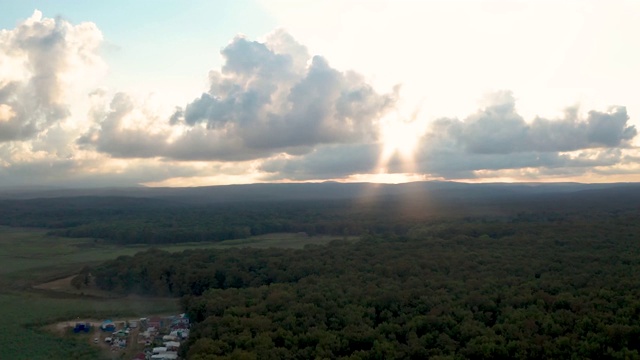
193, 93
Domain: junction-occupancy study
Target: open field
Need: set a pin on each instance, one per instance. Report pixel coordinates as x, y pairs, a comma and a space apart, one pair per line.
30, 258
29, 254
279, 240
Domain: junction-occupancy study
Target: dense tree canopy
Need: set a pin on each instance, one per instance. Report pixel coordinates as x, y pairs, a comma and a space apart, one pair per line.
536, 284
482, 271
128, 220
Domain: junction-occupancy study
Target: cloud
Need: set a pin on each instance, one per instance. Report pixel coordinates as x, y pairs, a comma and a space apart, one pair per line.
94, 171
268, 98
495, 139
329, 162
499, 129
47, 67
128, 129
460, 165
272, 111
40, 60
124, 130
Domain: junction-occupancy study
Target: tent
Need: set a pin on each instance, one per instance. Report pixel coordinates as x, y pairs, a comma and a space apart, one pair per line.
108, 325
84, 326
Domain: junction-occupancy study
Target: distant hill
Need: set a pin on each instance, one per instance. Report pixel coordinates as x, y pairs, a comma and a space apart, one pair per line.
325, 191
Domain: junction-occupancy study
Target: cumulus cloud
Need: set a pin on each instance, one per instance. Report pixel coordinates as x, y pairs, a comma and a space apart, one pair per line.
272, 110
39, 61
125, 130
497, 137
499, 129
493, 139
269, 97
47, 66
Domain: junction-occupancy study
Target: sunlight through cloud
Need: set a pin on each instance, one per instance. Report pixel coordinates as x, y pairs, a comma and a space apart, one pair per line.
400, 137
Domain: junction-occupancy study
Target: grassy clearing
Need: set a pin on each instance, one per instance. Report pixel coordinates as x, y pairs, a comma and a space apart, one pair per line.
280, 240
29, 257
31, 254
22, 249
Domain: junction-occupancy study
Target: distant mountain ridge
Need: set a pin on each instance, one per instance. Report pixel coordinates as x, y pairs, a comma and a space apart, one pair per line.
322, 191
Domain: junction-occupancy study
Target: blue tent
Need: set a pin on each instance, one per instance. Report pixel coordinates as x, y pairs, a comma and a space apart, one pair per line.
108, 325
82, 327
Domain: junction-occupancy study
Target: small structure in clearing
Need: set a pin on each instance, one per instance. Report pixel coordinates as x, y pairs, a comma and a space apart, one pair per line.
82, 326
108, 325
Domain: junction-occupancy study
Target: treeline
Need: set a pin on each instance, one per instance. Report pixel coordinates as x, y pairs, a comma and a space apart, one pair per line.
528, 286
153, 221
129, 220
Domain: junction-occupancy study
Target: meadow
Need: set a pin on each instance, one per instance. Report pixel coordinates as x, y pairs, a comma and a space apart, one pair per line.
29, 257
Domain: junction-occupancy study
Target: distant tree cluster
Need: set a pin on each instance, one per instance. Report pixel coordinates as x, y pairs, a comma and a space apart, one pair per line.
130, 221
126, 220
530, 285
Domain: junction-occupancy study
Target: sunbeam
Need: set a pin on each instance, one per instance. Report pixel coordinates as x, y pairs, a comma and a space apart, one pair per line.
400, 138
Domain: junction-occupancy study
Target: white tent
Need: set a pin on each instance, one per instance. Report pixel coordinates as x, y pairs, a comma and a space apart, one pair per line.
165, 356
172, 344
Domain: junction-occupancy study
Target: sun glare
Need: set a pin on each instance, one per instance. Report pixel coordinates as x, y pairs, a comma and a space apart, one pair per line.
399, 138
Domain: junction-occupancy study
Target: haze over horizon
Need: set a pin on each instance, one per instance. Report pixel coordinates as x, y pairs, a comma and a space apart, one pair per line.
207, 93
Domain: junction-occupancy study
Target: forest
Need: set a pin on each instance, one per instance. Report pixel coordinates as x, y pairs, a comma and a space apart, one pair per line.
163, 216
515, 277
